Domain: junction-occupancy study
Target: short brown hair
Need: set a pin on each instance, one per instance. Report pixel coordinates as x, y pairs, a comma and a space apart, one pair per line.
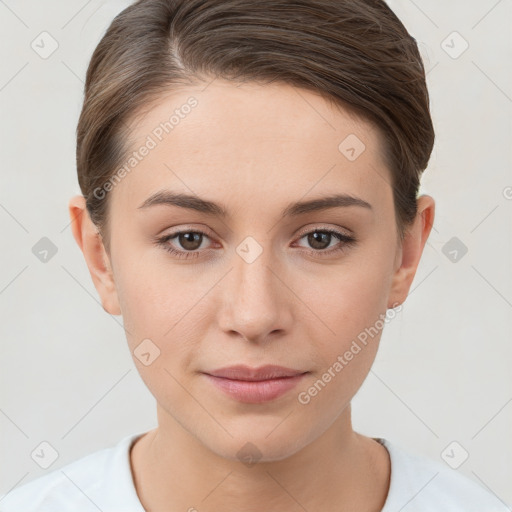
355, 53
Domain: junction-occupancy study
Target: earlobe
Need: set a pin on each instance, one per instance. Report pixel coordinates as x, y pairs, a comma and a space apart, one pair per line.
411, 251
89, 240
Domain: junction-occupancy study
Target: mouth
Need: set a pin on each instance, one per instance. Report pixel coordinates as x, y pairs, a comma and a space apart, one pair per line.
255, 385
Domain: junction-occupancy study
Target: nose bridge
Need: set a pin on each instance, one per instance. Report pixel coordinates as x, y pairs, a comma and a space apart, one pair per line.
254, 302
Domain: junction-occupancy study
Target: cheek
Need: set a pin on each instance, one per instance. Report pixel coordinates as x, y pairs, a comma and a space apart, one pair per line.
352, 303
154, 305
356, 315
354, 296
155, 295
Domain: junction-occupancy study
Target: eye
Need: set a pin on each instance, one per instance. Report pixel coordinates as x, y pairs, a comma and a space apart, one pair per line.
320, 240
189, 240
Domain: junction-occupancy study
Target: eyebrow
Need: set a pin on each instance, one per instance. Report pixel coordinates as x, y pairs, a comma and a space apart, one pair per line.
190, 202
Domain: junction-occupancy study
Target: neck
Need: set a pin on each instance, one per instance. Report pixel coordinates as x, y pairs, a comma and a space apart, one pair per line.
341, 468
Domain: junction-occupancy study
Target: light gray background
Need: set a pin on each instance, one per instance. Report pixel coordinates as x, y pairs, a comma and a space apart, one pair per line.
443, 369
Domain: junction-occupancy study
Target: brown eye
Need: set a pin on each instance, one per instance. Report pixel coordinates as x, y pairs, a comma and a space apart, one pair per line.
190, 240
183, 244
320, 241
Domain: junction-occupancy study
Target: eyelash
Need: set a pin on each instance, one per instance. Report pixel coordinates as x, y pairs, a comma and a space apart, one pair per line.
347, 241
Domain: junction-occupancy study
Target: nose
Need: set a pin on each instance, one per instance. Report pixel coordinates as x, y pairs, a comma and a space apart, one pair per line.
256, 304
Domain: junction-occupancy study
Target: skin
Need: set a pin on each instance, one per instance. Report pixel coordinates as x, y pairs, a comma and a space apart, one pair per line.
254, 149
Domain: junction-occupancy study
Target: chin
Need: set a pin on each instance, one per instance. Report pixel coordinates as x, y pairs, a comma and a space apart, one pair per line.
258, 441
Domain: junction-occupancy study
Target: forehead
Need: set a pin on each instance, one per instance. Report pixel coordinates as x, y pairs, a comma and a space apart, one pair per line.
251, 142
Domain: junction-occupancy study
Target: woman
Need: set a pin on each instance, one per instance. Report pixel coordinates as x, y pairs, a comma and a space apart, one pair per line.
250, 174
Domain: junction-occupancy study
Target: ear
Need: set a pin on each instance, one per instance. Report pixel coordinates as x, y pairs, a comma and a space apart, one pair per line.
89, 240
408, 256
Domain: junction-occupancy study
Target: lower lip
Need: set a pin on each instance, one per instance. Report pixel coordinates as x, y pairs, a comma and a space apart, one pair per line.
256, 392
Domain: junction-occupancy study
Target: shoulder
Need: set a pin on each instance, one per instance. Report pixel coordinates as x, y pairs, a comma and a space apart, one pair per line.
99, 481
421, 484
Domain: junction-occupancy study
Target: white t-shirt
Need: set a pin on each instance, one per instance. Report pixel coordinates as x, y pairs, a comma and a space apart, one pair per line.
103, 481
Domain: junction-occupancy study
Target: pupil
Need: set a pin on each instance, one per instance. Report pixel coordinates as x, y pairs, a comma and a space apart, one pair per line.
314, 240
189, 240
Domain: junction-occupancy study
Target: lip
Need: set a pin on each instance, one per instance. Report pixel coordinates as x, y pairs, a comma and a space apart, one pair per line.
243, 372
255, 385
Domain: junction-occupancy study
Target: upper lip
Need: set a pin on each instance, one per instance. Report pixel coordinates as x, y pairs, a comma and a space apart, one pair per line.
243, 372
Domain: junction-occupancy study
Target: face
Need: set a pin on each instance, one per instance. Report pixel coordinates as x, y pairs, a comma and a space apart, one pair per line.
263, 283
